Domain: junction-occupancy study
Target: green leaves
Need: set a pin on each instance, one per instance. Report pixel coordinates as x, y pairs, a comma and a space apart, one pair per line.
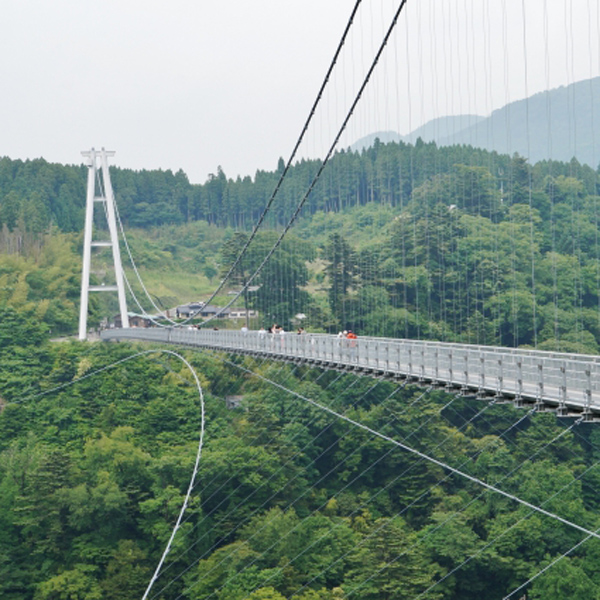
78, 583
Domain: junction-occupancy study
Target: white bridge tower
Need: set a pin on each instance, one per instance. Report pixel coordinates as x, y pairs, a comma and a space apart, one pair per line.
100, 193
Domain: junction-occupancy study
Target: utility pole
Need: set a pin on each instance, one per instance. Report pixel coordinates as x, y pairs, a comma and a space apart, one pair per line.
99, 192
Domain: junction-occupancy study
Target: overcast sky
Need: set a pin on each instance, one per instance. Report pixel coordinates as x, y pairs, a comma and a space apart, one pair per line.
194, 84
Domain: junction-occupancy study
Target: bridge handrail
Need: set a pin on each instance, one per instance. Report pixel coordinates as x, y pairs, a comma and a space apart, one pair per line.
559, 379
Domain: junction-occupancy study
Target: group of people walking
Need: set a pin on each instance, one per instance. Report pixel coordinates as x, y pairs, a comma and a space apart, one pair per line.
278, 329
347, 334
275, 337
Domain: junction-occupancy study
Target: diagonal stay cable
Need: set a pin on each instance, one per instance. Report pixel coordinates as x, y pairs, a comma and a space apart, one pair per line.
82, 378
215, 492
357, 510
472, 501
256, 510
381, 458
491, 542
135, 269
139, 278
448, 437
223, 484
192, 479
574, 430
207, 515
408, 506
389, 484
442, 464
198, 452
549, 566
428, 491
333, 469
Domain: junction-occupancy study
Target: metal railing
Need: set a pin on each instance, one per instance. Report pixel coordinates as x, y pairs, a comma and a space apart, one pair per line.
556, 380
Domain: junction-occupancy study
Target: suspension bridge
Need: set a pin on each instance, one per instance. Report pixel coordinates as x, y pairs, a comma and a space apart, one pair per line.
566, 384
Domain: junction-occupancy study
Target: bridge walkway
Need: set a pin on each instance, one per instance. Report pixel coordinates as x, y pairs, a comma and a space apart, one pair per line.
566, 383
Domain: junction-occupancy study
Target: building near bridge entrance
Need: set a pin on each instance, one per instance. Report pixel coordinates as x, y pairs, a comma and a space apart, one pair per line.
135, 320
204, 311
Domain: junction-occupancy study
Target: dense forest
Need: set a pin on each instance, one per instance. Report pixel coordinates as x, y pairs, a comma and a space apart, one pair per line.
37, 194
289, 499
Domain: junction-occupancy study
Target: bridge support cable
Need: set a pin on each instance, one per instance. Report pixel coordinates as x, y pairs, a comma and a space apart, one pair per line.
572, 428
141, 307
530, 180
362, 506
455, 471
380, 491
448, 476
424, 494
274, 193
549, 566
139, 277
282, 468
491, 542
594, 145
268, 442
408, 506
143, 311
215, 492
452, 516
521, 520
572, 549
443, 465
192, 479
471, 502
84, 377
324, 163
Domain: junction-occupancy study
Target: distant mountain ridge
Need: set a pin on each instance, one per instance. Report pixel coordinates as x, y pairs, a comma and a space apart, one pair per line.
557, 124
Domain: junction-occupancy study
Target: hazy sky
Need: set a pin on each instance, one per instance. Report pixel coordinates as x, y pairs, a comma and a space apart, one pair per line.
193, 84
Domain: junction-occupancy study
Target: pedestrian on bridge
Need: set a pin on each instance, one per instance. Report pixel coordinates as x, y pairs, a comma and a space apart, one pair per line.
352, 337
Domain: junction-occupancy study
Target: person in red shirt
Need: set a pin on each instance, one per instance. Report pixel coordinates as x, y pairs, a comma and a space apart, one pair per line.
352, 343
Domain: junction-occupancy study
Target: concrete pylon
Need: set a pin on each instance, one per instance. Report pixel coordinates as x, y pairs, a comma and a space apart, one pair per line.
100, 193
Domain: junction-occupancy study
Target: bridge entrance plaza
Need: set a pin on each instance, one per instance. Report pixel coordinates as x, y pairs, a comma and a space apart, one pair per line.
566, 383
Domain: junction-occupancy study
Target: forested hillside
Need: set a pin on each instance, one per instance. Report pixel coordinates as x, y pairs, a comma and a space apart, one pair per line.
289, 500
455, 244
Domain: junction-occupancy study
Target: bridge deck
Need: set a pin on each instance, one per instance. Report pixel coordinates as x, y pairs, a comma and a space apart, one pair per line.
569, 383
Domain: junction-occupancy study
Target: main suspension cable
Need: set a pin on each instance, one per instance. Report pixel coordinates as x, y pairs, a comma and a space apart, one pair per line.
321, 168
289, 162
